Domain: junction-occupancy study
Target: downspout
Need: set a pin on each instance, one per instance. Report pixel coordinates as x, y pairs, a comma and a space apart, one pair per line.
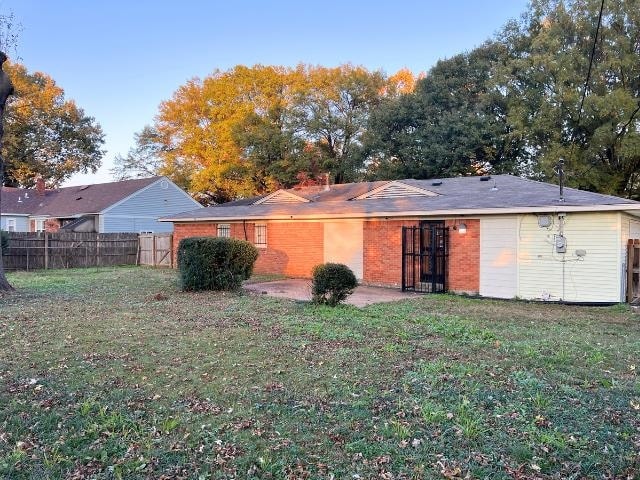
244, 227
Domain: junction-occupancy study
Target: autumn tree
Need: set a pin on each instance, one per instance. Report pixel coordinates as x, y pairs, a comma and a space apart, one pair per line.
332, 110
250, 130
199, 129
46, 134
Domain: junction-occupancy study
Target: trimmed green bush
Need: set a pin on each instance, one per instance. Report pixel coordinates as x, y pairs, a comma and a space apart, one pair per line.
210, 263
332, 283
4, 239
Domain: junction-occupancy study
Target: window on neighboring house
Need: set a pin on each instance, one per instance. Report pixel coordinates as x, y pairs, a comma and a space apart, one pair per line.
261, 235
224, 230
11, 224
39, 225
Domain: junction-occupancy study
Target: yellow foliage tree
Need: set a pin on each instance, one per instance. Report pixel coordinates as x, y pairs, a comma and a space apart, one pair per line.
45, 134
248, 130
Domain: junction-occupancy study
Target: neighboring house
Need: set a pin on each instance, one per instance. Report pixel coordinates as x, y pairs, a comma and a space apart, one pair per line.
500, 236
126, 206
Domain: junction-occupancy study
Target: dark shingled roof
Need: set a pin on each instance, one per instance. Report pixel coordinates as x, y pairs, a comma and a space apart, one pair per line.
71, 201
458, 193
20, 201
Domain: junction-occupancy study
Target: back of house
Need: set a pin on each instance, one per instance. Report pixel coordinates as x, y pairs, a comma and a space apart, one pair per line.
500, 236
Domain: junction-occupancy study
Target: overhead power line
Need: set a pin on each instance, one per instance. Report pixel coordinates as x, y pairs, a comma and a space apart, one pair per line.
593, 53
586, 82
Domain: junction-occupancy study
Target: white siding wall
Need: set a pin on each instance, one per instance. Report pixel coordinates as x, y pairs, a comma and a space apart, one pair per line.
22, 223
595, 279
141, 211
498, 257
343, 243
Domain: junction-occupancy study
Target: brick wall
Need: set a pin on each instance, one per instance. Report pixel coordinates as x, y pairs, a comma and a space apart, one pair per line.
51, 225
186, 230
383, 251
293, 248
464, 257
383, 254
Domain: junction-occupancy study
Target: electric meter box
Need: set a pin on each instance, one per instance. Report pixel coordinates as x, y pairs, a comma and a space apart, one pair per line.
561, 244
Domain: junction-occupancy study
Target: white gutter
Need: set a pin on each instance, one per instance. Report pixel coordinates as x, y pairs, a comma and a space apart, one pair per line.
421, 213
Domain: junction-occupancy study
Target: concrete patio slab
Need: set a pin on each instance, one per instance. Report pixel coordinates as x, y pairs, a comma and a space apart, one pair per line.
300, 289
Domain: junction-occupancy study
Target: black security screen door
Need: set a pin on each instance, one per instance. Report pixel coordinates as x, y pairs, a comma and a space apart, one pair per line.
424, 257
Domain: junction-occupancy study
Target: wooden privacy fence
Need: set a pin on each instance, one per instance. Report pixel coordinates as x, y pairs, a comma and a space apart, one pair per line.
156, 249
633, 271
36, 251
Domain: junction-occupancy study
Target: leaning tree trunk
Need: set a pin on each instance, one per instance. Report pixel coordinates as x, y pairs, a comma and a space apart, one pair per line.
5, 286
6, 89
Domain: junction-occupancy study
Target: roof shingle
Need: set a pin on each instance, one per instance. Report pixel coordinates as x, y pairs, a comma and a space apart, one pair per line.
70, 201
458, 193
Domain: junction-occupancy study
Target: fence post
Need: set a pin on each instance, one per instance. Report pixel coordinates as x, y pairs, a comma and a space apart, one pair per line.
46, 250
153, 250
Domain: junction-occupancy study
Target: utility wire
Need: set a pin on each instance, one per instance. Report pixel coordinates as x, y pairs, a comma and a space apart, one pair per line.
626, 125
586, 83
593, 53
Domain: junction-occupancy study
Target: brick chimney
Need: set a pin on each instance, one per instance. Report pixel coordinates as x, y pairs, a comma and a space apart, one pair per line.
40, 187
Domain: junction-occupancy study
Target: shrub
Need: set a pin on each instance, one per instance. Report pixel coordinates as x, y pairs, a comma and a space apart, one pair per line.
332, 283
209, 263
4, 239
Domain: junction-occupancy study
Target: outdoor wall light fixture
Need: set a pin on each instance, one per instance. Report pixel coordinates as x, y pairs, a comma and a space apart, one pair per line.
462, 228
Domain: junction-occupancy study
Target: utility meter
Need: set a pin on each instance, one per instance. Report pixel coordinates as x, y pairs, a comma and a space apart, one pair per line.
561, 244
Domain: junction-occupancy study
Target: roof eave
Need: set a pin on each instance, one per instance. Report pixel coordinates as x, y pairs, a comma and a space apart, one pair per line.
419, 213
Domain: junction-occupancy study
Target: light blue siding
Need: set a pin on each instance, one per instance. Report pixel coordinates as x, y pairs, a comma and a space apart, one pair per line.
140, 212
22, 223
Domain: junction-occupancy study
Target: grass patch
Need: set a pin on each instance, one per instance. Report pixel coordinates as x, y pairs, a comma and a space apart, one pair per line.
114, 373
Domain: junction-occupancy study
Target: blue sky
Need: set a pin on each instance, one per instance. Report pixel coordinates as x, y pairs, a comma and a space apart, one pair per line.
119, 59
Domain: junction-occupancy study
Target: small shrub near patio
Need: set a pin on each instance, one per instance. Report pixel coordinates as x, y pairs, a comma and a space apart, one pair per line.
332, 283
208, 263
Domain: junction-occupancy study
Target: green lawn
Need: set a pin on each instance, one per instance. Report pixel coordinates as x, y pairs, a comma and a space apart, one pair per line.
116, 374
